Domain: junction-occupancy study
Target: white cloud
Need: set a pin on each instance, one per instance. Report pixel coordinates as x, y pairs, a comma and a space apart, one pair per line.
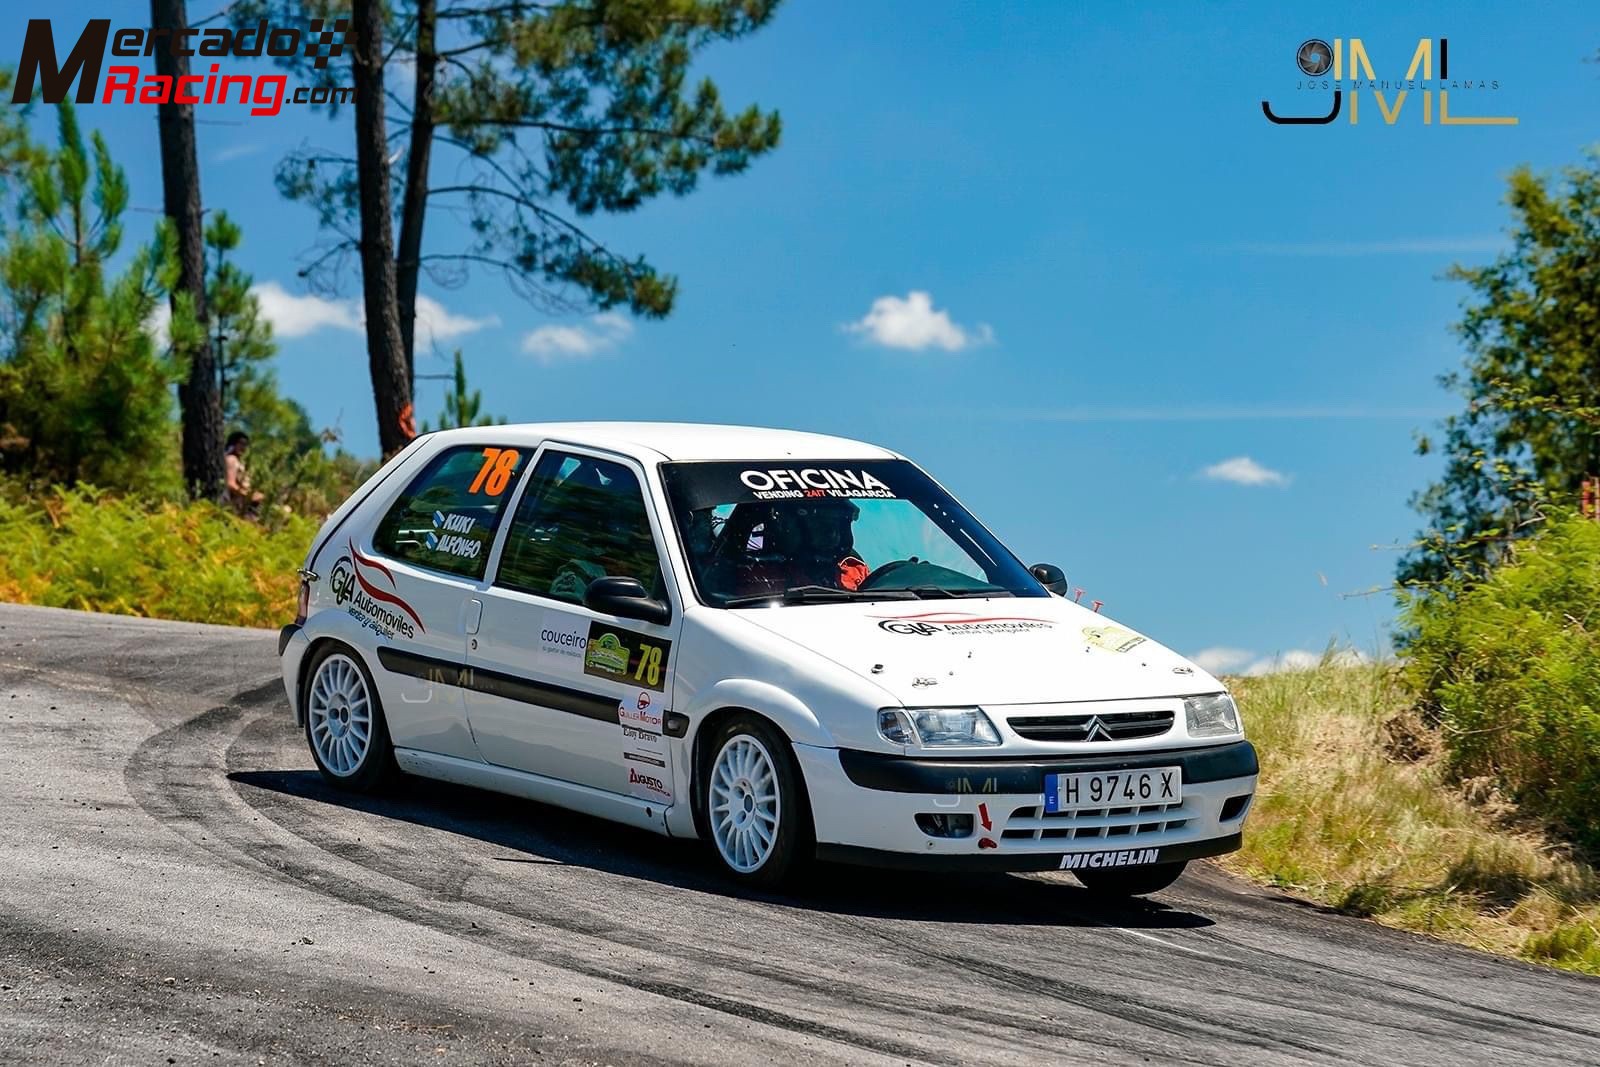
1242, 661
1222, 660
913, 323
235, 151
1242, 470
436, 323
296, 315
300, 314
554, 343
1300, 659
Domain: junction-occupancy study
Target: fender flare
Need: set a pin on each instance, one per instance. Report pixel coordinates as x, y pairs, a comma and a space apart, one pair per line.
785, 710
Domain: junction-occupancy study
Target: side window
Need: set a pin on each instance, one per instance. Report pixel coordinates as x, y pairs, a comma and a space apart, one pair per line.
446, 518
580, 519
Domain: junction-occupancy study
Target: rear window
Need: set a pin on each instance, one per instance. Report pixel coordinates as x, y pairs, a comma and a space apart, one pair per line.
446, 518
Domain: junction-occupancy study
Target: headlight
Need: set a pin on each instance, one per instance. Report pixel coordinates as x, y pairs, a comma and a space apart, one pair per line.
937, 727
1211, 716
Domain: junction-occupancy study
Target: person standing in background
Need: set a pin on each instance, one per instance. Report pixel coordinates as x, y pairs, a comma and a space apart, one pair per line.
244, 500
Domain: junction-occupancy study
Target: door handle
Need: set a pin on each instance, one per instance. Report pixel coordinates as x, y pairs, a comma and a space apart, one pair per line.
471, 615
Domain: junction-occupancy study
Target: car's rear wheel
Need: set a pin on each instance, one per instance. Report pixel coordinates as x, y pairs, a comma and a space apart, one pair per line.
756, 810
1130, 881
345, 727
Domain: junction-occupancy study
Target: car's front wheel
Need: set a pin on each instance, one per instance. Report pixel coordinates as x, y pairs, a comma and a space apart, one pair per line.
345, 727
755, 805
1130, 881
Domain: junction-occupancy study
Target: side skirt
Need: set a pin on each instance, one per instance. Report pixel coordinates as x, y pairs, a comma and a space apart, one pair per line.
570, 795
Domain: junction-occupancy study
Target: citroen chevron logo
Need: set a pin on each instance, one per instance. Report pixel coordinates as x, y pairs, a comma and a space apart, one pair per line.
1096, 730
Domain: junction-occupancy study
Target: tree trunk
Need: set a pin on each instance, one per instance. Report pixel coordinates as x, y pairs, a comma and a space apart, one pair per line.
413, 206
203, 471
386, 357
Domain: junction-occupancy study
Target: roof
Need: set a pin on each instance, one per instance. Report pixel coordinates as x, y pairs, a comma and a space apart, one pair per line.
685, 440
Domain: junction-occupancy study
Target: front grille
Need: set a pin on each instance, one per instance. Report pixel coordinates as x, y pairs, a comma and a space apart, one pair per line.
1036, 824
1124, 727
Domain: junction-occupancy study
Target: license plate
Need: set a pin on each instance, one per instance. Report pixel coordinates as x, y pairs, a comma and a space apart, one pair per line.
1113, 789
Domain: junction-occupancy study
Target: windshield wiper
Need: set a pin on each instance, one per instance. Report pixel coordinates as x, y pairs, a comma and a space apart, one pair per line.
816, 594
935, 592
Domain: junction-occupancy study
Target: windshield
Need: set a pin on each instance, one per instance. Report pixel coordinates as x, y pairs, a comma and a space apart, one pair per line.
762, 530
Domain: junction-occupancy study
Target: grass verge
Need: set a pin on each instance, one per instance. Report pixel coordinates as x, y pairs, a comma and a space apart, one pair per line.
1353, 812
81, 548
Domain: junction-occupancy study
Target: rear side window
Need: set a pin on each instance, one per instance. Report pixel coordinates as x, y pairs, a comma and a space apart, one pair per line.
446, 518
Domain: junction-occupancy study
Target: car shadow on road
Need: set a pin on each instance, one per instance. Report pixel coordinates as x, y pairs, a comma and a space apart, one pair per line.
542, 834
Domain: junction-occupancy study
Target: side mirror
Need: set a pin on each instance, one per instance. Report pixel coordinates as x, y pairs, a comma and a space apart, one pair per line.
626, 597
1051, 577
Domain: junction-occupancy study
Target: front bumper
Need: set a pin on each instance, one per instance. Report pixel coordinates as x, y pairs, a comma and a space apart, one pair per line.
865, 808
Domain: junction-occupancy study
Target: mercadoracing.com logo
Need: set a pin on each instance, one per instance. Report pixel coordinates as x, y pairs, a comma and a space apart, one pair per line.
129, 85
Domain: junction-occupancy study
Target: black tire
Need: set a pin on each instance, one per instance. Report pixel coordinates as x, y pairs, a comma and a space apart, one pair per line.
1130, 881
794, 844
375, 767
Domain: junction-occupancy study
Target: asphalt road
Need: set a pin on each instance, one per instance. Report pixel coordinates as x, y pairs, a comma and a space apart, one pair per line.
177, 885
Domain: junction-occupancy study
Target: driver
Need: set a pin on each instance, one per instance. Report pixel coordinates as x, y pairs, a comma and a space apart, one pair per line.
825, 529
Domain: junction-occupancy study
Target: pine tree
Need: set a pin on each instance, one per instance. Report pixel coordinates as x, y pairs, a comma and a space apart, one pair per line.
542, 114
203, 470
246, 383
85, 394
462, 405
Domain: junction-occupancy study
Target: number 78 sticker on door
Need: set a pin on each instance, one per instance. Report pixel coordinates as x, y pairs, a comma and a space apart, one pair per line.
627, 656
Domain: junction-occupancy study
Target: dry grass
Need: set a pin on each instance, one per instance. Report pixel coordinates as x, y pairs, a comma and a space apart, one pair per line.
1352, 813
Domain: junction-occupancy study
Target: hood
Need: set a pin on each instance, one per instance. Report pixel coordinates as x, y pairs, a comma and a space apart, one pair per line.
999, 651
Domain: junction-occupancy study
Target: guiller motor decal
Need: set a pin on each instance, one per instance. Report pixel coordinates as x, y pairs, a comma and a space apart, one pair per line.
929, 623
643, 751
1132, 857
813, 482
350, 582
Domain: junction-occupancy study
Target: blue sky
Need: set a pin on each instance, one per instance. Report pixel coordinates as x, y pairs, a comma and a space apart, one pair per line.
1132, 278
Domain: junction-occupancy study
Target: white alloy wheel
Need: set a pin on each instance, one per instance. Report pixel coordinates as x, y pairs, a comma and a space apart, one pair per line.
745, 803
339, 715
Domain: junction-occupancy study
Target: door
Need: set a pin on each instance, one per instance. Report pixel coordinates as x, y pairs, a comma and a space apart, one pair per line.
414, 584
558, 689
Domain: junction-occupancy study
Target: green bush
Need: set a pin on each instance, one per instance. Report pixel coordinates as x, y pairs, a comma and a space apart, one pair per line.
1509, 668
87, 549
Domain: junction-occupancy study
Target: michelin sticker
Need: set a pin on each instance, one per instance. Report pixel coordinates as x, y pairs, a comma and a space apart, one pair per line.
644, 752
1129, 857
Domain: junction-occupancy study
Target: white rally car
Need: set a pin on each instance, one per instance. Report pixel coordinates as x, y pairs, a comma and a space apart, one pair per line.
790, 645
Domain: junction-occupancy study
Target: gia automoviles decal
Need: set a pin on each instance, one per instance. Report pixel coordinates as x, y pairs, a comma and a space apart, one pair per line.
354, 579
644, 754
626, 656
931, 623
